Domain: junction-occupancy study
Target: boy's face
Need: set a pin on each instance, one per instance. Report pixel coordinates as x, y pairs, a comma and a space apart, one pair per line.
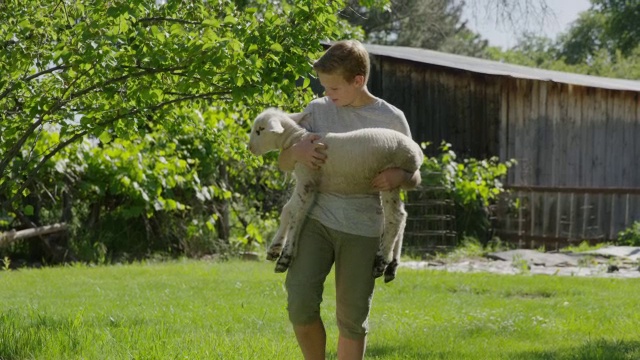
339, 90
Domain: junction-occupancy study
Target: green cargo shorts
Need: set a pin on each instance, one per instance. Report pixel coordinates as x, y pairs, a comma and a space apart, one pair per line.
318, 248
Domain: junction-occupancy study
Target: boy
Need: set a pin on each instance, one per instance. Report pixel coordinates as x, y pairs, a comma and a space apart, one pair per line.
340, 229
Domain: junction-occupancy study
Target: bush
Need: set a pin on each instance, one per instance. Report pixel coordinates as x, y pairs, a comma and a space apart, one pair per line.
472, 184
630, 236
192, 190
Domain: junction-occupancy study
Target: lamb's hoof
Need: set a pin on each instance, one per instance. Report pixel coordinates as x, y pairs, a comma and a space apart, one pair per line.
283, 263
378, 266
273, 253
390, 271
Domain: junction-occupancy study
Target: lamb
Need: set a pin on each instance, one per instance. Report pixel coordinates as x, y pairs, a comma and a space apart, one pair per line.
375, 149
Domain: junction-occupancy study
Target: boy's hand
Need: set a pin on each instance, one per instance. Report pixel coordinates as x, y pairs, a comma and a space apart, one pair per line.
309, 152
389, 179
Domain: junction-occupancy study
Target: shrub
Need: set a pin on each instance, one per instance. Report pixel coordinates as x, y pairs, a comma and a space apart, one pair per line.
630, 236
472, 184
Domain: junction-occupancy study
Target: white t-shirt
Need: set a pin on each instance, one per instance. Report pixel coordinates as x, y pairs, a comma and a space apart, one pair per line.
353, 214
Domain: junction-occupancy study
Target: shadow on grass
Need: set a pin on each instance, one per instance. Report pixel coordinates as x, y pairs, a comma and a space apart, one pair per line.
383, 351
597, 349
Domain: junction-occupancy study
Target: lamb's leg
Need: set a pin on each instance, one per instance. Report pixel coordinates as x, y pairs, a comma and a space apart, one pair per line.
390, 271
394, 220
298, 207
294, 232
279, 239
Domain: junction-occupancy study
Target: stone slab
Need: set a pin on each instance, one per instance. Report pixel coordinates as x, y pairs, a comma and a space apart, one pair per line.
534, 257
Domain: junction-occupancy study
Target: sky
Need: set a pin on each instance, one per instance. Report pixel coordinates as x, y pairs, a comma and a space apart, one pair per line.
505, 35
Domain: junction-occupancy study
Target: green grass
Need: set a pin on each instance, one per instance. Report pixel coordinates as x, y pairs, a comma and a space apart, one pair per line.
236, 310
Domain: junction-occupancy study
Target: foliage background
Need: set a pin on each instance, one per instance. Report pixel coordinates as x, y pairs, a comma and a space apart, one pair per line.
128, 120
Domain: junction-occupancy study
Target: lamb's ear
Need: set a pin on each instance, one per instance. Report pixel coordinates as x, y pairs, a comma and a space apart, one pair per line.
274, 126
298, 117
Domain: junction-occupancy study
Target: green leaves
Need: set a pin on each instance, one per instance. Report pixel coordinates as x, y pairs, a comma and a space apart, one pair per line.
25, 24
630, 236
101, 103
158, 34
28, 210
472, 185
105, 137
470, 181
276, 47
229, 19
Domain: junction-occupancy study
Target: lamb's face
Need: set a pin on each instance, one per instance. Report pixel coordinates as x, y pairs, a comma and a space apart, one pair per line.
265, 132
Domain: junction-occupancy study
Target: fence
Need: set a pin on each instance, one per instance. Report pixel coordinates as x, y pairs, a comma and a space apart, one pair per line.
430, 220
526, 216
534, 216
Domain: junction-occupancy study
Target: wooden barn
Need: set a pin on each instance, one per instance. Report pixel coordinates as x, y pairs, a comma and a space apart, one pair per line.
576, 138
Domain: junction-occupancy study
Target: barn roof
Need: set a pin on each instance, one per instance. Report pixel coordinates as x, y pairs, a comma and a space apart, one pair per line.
489, 67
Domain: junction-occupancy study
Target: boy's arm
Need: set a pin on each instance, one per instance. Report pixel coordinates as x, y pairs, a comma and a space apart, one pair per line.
393, 178
307, 151
412, 180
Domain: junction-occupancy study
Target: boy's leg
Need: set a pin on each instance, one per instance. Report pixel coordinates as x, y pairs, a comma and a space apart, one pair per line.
350, 349
305, 283
354, 291
312, 340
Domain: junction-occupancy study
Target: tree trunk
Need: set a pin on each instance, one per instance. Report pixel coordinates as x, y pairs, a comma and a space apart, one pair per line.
223, 223
222, 209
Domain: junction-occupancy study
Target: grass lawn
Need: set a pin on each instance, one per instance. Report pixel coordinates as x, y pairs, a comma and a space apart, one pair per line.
236, 310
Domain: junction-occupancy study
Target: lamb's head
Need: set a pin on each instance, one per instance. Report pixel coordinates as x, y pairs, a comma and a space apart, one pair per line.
267, 131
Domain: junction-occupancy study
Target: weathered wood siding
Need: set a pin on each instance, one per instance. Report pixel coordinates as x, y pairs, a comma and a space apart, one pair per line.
577, 175
569, 142
442, 104
570, 136
557, 216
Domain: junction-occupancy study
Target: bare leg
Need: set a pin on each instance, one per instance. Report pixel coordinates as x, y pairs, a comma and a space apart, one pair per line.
312, 340
350, 349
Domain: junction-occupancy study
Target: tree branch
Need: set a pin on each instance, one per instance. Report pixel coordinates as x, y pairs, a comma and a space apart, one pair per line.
8, 237
145, 71
23, 139
9, 155
163, 19
31, 77
59, 103
76, 136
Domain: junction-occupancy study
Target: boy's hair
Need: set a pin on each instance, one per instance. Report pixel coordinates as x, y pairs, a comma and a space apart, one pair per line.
348, 58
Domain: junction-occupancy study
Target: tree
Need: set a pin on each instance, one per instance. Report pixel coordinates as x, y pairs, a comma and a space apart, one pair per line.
610, 25
429, 24
519, 14
602, 42
118, 79
439, 24
531, 50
